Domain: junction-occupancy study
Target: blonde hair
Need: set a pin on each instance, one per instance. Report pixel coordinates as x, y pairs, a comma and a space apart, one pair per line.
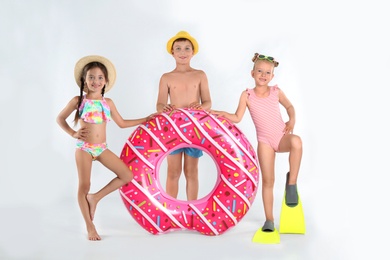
257, 57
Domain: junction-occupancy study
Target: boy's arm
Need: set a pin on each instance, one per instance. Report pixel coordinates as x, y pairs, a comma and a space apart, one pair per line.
236, 117
162, 98
205, 96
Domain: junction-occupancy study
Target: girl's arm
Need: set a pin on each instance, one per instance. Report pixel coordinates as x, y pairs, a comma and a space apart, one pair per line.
236, 117
124, 123
64, 114
285, 102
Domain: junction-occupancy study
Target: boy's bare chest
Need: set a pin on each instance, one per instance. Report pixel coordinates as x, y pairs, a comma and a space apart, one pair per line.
184, 93
184, 84
184, 87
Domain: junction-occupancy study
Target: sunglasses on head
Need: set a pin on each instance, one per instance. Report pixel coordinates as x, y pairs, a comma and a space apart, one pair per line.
268, 58
263, 57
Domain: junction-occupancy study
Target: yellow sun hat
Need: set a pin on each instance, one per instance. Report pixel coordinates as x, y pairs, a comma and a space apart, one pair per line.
78, 69
185, 35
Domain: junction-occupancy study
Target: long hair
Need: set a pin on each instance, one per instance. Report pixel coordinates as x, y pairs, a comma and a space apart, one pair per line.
86, 68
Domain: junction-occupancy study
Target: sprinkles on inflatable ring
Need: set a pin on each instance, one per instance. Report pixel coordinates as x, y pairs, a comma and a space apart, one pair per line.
223, 207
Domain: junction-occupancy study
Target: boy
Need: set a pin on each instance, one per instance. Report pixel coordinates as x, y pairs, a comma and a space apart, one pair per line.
185, 87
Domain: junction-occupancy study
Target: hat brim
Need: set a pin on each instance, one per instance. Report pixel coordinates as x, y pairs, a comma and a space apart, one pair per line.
185, 35
111, 71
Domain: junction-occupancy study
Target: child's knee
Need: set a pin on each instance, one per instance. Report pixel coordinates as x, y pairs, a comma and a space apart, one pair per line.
174, 174
268, 182
191, 173
128, 176
174, 170
84, 187
297, 142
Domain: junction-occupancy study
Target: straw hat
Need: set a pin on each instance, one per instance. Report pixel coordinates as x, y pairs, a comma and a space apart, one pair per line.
182, 34
78, 69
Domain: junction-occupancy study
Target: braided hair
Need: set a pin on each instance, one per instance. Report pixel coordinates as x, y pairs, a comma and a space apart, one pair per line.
86, 68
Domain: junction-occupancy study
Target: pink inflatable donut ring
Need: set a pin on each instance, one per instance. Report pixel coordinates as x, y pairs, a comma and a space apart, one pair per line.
236, 163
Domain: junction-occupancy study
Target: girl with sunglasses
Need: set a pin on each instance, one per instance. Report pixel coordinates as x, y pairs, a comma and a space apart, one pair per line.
273, 134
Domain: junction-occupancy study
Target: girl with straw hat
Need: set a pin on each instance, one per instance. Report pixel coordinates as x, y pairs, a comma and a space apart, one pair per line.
95, 75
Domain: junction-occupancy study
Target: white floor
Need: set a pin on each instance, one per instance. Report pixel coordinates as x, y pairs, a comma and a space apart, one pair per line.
57, 232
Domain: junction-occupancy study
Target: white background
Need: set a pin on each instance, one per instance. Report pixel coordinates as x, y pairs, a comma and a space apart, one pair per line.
334, 67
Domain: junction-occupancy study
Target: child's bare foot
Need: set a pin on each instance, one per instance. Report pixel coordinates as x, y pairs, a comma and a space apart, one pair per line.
93, 234
92, 205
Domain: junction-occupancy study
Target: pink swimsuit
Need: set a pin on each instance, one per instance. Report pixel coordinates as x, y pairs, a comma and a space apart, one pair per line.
266, 116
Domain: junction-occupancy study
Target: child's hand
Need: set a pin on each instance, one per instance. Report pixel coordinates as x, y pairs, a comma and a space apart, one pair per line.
289, 129
168, 108
81, 134
195, 105
150, 117
217, 113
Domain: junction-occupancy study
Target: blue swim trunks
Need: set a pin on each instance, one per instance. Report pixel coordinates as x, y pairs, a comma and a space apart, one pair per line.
193, 152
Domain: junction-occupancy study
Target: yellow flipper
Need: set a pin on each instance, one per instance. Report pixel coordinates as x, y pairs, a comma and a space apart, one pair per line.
292, 220
266, 237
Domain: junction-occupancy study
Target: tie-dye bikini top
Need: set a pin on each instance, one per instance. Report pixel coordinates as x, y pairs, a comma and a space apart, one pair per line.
95, 111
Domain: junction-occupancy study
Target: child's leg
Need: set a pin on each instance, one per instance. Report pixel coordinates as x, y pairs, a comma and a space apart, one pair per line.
117, 166
84, 166
191, 174
174, 163
293, 144
267, 161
